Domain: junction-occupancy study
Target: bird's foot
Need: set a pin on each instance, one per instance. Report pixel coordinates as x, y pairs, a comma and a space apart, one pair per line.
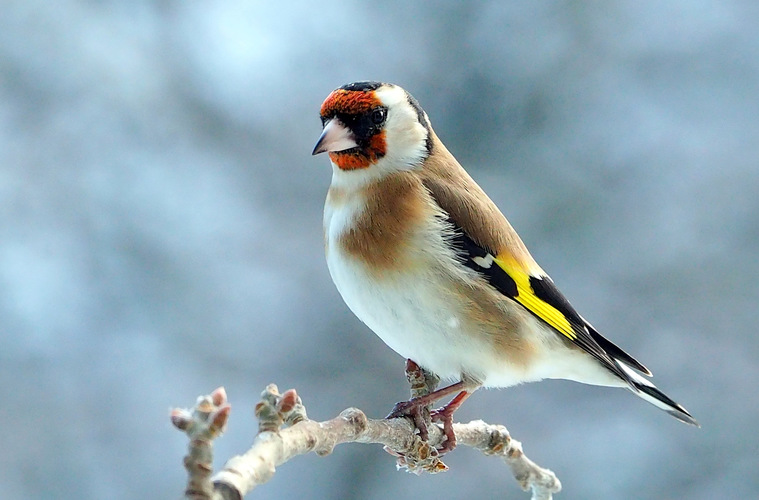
445, 416
424, 395
417, 409
418, 412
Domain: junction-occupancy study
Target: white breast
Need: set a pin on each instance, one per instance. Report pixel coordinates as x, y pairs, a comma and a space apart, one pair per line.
413, 311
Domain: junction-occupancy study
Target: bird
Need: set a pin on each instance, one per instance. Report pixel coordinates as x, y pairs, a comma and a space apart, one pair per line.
423, 257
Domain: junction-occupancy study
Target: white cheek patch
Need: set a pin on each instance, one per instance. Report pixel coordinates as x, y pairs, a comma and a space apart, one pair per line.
405, 136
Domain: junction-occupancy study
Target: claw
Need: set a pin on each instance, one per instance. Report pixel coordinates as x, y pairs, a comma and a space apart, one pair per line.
445, 415
419, 415
402, 409
441, 415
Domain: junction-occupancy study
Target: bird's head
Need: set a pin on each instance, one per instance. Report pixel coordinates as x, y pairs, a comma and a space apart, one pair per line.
373, 126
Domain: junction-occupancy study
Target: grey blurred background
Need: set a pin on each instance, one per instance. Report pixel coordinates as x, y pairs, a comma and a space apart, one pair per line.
160, 232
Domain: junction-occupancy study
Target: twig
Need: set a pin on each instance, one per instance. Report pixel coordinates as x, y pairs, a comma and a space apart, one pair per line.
275, 445
204, 423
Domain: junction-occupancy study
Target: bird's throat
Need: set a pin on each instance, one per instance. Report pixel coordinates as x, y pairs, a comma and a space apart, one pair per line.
361, 157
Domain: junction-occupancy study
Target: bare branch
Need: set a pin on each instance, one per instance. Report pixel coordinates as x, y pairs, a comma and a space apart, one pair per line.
275, 445
204, 423
495, 440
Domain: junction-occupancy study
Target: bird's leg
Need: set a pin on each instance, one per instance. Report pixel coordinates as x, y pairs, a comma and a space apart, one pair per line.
445, 415
423, 395
416, 407
403, 408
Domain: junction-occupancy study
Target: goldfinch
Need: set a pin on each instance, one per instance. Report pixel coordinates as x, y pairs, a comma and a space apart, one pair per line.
426, 260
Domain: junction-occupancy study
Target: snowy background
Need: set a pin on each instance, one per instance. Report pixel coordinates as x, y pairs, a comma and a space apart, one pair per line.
160, 232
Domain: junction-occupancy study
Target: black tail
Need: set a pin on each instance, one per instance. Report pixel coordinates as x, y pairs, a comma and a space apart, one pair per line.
638, 384
614, 351
647, 391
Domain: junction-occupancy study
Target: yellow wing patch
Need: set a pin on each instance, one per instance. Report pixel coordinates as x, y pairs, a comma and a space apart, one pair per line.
526, 296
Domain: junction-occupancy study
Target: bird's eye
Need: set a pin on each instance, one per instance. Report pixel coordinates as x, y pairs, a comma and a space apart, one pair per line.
379, 115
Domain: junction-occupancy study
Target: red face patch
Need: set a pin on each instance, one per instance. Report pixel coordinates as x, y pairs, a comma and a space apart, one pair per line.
362, 157
353, 102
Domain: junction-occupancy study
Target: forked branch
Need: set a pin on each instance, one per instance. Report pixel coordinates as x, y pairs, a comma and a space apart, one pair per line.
284, 432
